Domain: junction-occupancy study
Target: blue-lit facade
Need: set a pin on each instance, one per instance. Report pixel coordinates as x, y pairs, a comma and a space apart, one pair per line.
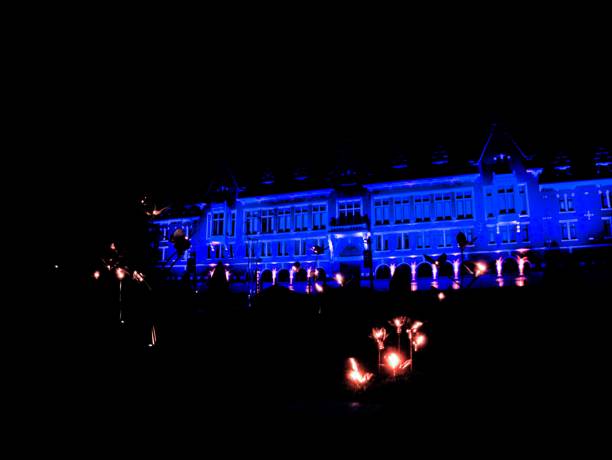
503, 206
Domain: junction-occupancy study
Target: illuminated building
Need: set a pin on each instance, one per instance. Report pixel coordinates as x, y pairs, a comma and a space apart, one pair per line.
501, 201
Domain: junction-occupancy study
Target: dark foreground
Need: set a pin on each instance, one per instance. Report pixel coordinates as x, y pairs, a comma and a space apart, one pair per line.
532, 354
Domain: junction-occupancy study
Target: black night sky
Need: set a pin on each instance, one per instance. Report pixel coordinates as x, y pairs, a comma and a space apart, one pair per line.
117, 117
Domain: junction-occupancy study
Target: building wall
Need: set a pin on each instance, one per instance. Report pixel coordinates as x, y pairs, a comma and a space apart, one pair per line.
405, 220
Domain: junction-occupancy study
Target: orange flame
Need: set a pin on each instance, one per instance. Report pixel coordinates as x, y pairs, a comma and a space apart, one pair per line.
420, 340
355, 376
396, 361
398, 323
379, 336
120, 272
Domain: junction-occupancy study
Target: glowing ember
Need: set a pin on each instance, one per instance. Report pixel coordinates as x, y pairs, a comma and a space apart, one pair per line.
96, 275
396, 362
339, 279
419, 341
153, 336
415, 326
120, 272
398, 323
356, 376
379, 336
318, 287
481, 268
113, 247
441, 296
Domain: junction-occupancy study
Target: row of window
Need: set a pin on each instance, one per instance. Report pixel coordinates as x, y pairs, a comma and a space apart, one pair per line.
166, 231
504, 200
285, 220
566, 201
419, 240
422, 208
508, 233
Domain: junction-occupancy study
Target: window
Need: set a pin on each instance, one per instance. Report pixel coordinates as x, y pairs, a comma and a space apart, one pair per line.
492, 235
230, 250
402, 210
568, 231
299, 248
506, 200
566, 203
319, 217
266, 249
524, 231
284, 220
251, 219
232, 227
218, 218
250, 249
442, 206
349, 212
283, 249
445, 239
508, 233
423, 240
463, 202
522, 190
382, 243
403, 241
607, 230
490, 209
301, 218
214, 251
382, 211
267, 221
422, 208
605, 199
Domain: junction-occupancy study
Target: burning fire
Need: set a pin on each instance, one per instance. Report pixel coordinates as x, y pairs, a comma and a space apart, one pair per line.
396, 362
419, 341
96, 274
356, 377
379, 336
339, 279
398, 323
120, 272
